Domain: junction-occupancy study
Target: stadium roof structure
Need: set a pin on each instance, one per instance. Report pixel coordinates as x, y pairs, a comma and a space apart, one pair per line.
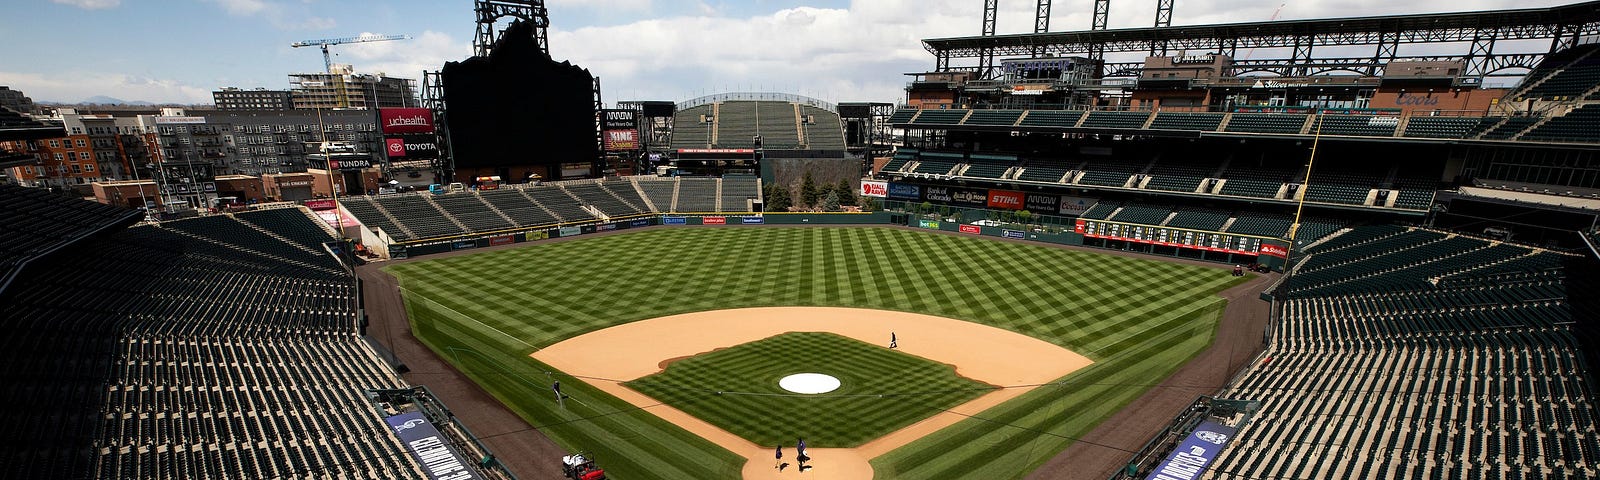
1562, 25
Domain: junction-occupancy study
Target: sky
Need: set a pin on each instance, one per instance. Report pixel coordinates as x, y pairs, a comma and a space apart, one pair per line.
178, 51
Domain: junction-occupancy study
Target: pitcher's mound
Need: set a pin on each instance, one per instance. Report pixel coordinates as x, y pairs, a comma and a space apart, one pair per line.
809, 383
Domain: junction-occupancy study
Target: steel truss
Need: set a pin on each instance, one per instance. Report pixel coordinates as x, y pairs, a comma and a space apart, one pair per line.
491, 11
1480, 32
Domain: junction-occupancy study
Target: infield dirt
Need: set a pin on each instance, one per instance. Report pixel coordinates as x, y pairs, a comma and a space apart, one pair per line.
979, 352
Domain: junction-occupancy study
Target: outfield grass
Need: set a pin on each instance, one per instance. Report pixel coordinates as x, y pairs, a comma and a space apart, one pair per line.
880, 390
1138, 319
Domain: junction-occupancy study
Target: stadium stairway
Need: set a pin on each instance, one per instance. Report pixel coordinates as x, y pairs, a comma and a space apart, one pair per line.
446, 213
496, 210
542, 207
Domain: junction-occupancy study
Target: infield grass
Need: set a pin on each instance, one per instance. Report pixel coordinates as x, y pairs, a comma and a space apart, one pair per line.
1139, 320
880, 390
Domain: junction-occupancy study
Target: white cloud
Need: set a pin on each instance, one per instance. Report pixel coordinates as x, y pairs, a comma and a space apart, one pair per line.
283, 16
859, 52
76, 86
404, 58
90, 4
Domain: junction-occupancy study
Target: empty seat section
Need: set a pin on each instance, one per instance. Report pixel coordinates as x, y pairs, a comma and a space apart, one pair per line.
900, 159
938, 163
988, 166
1281, 123
472, 212
1052, 118
737, 190
1142, 214
289, 223
1359, 125
940, 117
1205, 122
365, 211
1195, 218
1115, 120
1442, 127
1579, 125
697, 195
557, 201
1261, 224
1049, 171
1101, 210
599, 197
518, 207
1110, 172
994, 118
417, 214
660, 192
688, 131
902, 116
1510, 128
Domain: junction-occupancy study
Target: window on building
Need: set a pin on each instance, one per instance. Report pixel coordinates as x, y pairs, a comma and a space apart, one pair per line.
58, 157
89, 167
75, 169
55, 144
83, 155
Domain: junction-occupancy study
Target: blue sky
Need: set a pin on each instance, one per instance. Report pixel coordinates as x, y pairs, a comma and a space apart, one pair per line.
838, 50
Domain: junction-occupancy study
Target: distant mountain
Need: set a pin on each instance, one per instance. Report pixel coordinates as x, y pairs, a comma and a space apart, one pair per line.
104, 100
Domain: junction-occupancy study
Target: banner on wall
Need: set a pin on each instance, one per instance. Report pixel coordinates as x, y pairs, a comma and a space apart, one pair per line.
1189, 460
972, 229
901, 191
1006, 199
929, 224
874, 189
713, 220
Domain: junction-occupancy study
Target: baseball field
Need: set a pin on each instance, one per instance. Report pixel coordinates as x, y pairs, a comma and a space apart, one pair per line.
494, 315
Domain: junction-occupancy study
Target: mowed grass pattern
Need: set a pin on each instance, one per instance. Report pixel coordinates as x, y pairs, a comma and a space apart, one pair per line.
880, 390
1138, 319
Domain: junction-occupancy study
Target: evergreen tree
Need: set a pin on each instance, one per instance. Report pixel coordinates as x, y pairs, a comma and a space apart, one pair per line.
847, 194
831, 202
777, 198
809, 193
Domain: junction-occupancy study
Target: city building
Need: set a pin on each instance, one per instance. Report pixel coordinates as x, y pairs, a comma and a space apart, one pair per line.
237, 99
271, 142
345, 89
15, 100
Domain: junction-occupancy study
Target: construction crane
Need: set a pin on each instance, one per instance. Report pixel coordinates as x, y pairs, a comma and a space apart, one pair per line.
327, 60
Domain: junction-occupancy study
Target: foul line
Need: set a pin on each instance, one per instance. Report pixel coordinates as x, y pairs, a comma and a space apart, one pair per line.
468, 317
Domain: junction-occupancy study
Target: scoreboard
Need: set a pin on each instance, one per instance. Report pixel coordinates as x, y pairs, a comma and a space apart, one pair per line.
1176, 237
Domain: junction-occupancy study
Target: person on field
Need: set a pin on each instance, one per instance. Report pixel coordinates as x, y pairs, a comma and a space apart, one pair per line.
892, 342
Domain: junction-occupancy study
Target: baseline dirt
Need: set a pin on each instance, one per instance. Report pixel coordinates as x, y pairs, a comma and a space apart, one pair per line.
980, 352
524, 450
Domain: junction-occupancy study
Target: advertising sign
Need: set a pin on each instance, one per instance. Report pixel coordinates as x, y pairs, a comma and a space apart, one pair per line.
1005, 199
406, 120
714, 221
1013, 234
1275, 250
972, 229
395, 147
570, 231
351, 163
536, 236
639, 223
606, 227
938, 194
1037, 203
752, 220
415, 147
1075, 205
903, 191
317, 205
874, 189
1189, 460
930, 224
966, 196
501, 240
429, 447
717, 151
619, 140
464, 244
674, 221
618, 119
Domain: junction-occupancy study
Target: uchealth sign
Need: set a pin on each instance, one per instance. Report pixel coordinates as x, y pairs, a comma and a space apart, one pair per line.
874, 189
1005, 199
406, 120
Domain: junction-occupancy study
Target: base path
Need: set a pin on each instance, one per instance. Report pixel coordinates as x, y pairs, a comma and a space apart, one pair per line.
980, 352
